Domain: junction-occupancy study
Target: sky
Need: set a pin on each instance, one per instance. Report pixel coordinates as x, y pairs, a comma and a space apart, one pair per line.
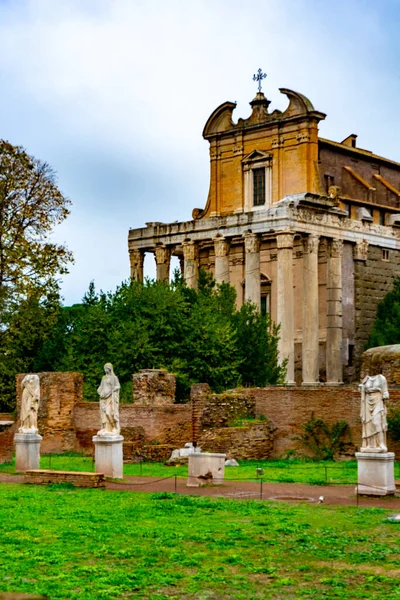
114, 95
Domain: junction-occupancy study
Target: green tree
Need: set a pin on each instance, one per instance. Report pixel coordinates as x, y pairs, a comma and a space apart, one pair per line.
30, 206
386, 329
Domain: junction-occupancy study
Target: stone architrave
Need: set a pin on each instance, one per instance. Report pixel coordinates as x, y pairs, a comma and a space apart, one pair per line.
136, 258
191, 266
285, 302
221, 247
207, 468
27, 440
163, 259
375, 464
108, 441
310, 346
252, 268
334, 325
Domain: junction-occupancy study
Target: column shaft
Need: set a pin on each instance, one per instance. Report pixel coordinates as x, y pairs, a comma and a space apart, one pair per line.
252, 268
310, 346
285, 306
191, 266
221, 247
334, 369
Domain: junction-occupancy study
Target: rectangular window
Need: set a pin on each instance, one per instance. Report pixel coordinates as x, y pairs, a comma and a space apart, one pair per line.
258, 187
385, 254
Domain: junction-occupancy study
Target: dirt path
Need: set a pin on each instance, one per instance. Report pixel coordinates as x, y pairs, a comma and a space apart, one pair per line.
245, 490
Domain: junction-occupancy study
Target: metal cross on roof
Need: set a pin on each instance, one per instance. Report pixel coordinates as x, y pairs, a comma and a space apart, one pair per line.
259, 77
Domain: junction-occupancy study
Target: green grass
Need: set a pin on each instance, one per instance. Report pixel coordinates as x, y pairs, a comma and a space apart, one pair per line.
280, 471
102, 545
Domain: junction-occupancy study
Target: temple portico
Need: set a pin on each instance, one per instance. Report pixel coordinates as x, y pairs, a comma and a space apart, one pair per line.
298, 247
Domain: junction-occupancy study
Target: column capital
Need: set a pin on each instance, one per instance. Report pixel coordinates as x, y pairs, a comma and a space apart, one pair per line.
284, 239
162, 254
136, 257
189, 250
360, 250
251, 242
221, 246
336, 248
310, 244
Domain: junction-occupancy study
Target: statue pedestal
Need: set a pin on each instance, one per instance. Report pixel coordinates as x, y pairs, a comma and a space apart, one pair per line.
27, 451
375, 473
205, 469
108, 455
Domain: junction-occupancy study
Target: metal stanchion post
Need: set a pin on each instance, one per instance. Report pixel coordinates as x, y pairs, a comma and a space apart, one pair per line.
357, 494
50, 461
141, 467
175, 484
261, 490
326, 474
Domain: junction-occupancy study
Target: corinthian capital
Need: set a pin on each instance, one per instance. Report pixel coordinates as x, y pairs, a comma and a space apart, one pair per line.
221, 246
284, 240
360, 250
336, 248
311, 244
251, 242
163, 255
189, 250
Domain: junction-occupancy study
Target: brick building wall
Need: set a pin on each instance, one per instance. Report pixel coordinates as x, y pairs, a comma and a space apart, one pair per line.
373, 279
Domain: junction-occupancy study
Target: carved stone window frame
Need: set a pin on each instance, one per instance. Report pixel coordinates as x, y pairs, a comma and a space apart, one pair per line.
257, 160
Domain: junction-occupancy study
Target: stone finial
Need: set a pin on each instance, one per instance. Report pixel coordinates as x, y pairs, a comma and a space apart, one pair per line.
221, 246
163, 255
251, 242
360, 250
189, 250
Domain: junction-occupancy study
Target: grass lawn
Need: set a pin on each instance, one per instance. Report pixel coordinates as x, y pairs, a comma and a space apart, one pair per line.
281, 471
97, 544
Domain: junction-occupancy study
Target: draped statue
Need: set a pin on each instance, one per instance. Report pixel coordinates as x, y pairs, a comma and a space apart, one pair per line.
109, 403
374, 393
30, 404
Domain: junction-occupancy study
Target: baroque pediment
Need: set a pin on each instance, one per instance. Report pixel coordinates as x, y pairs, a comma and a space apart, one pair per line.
256, 156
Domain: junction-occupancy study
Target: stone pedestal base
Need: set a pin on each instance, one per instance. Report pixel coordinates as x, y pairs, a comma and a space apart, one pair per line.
205, 468
27, 451
108, 455
375, 473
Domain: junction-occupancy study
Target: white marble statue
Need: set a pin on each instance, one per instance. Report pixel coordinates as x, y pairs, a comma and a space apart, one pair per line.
109, 403
374, 392
30, 404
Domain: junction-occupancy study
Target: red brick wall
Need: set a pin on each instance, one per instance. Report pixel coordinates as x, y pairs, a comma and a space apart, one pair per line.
289, 407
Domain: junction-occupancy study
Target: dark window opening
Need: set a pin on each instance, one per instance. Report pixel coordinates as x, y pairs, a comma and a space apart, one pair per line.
381, 217
385, 254
258, 187
329, 180
351, 355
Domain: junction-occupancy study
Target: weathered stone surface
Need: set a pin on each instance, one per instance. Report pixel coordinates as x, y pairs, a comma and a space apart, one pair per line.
383, 359
27, 451
256, 441
108, 455
206, 469
221, 410
77, 478
375, 474
154, 387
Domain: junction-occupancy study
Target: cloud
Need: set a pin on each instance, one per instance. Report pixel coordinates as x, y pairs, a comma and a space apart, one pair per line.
115, 94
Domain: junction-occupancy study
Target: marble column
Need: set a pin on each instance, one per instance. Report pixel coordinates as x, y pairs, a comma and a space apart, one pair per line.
310, 345
221, 247
334, 368
285, 302
163, 259
136, 258
191, 265
252, 268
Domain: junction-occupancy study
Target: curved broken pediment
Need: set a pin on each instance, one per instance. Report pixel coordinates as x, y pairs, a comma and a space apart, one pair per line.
220, 119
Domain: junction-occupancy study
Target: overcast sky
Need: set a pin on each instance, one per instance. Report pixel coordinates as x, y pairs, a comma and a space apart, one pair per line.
114, 94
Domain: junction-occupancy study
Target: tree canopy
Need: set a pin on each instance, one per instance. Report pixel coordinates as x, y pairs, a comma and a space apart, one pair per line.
386, 328
30, 206
200, 336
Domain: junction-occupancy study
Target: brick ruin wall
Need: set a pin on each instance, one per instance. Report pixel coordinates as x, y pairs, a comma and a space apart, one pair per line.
68, 424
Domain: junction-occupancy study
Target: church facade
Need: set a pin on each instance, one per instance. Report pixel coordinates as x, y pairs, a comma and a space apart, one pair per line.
306, 228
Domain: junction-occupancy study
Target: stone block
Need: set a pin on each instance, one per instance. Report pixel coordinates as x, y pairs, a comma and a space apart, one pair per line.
27, 451
206, 469
375, 473
108, 455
